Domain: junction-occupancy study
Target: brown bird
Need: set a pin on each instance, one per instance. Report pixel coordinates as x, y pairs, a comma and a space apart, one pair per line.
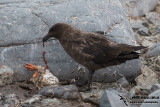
93, 50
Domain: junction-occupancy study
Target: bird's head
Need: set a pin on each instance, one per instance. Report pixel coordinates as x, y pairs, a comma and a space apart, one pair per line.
58, 31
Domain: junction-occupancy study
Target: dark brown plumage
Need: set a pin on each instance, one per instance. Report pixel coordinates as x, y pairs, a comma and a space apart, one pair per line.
93, 50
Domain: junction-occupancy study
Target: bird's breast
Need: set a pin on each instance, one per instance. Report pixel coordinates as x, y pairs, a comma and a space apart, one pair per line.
75, 51
71, 49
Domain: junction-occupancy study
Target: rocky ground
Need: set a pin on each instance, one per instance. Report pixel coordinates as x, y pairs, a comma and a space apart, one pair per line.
23, 93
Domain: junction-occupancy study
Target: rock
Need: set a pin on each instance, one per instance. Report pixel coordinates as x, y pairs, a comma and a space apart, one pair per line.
153, 51
153, 100
40, 101
143, 31
147, 34
153, 17
66, 92
140, 26
158, 7
137, 24
155, 87
155, 65
147, 78
134, 91
144, 91
123, 82
35, 98
44, 78
149, 40
54, 102
28, 97
93, 97
22, 32
114, 73
136, 8
27, 105
158, 80
6, 75
1, 99
138, 90
153, 62
112, 98
11, 100
154, 30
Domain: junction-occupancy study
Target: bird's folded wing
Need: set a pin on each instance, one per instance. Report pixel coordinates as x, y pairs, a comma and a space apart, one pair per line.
101, 48
104, 50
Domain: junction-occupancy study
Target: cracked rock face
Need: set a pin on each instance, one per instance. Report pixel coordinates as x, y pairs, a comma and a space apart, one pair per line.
24, 23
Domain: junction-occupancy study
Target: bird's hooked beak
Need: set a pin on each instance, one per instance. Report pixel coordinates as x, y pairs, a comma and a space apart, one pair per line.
45, 38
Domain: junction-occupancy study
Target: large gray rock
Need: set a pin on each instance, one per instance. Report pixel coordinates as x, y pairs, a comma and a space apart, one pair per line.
136, 8
24, 23
113, 73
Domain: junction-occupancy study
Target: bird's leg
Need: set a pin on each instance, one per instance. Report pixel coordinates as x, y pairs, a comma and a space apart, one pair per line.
90, 79
88, 87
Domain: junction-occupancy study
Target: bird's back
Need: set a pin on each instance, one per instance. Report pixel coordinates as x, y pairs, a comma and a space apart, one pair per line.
96, 51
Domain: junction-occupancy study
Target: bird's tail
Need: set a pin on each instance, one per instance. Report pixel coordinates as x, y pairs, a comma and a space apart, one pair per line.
136, 48
131, 54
